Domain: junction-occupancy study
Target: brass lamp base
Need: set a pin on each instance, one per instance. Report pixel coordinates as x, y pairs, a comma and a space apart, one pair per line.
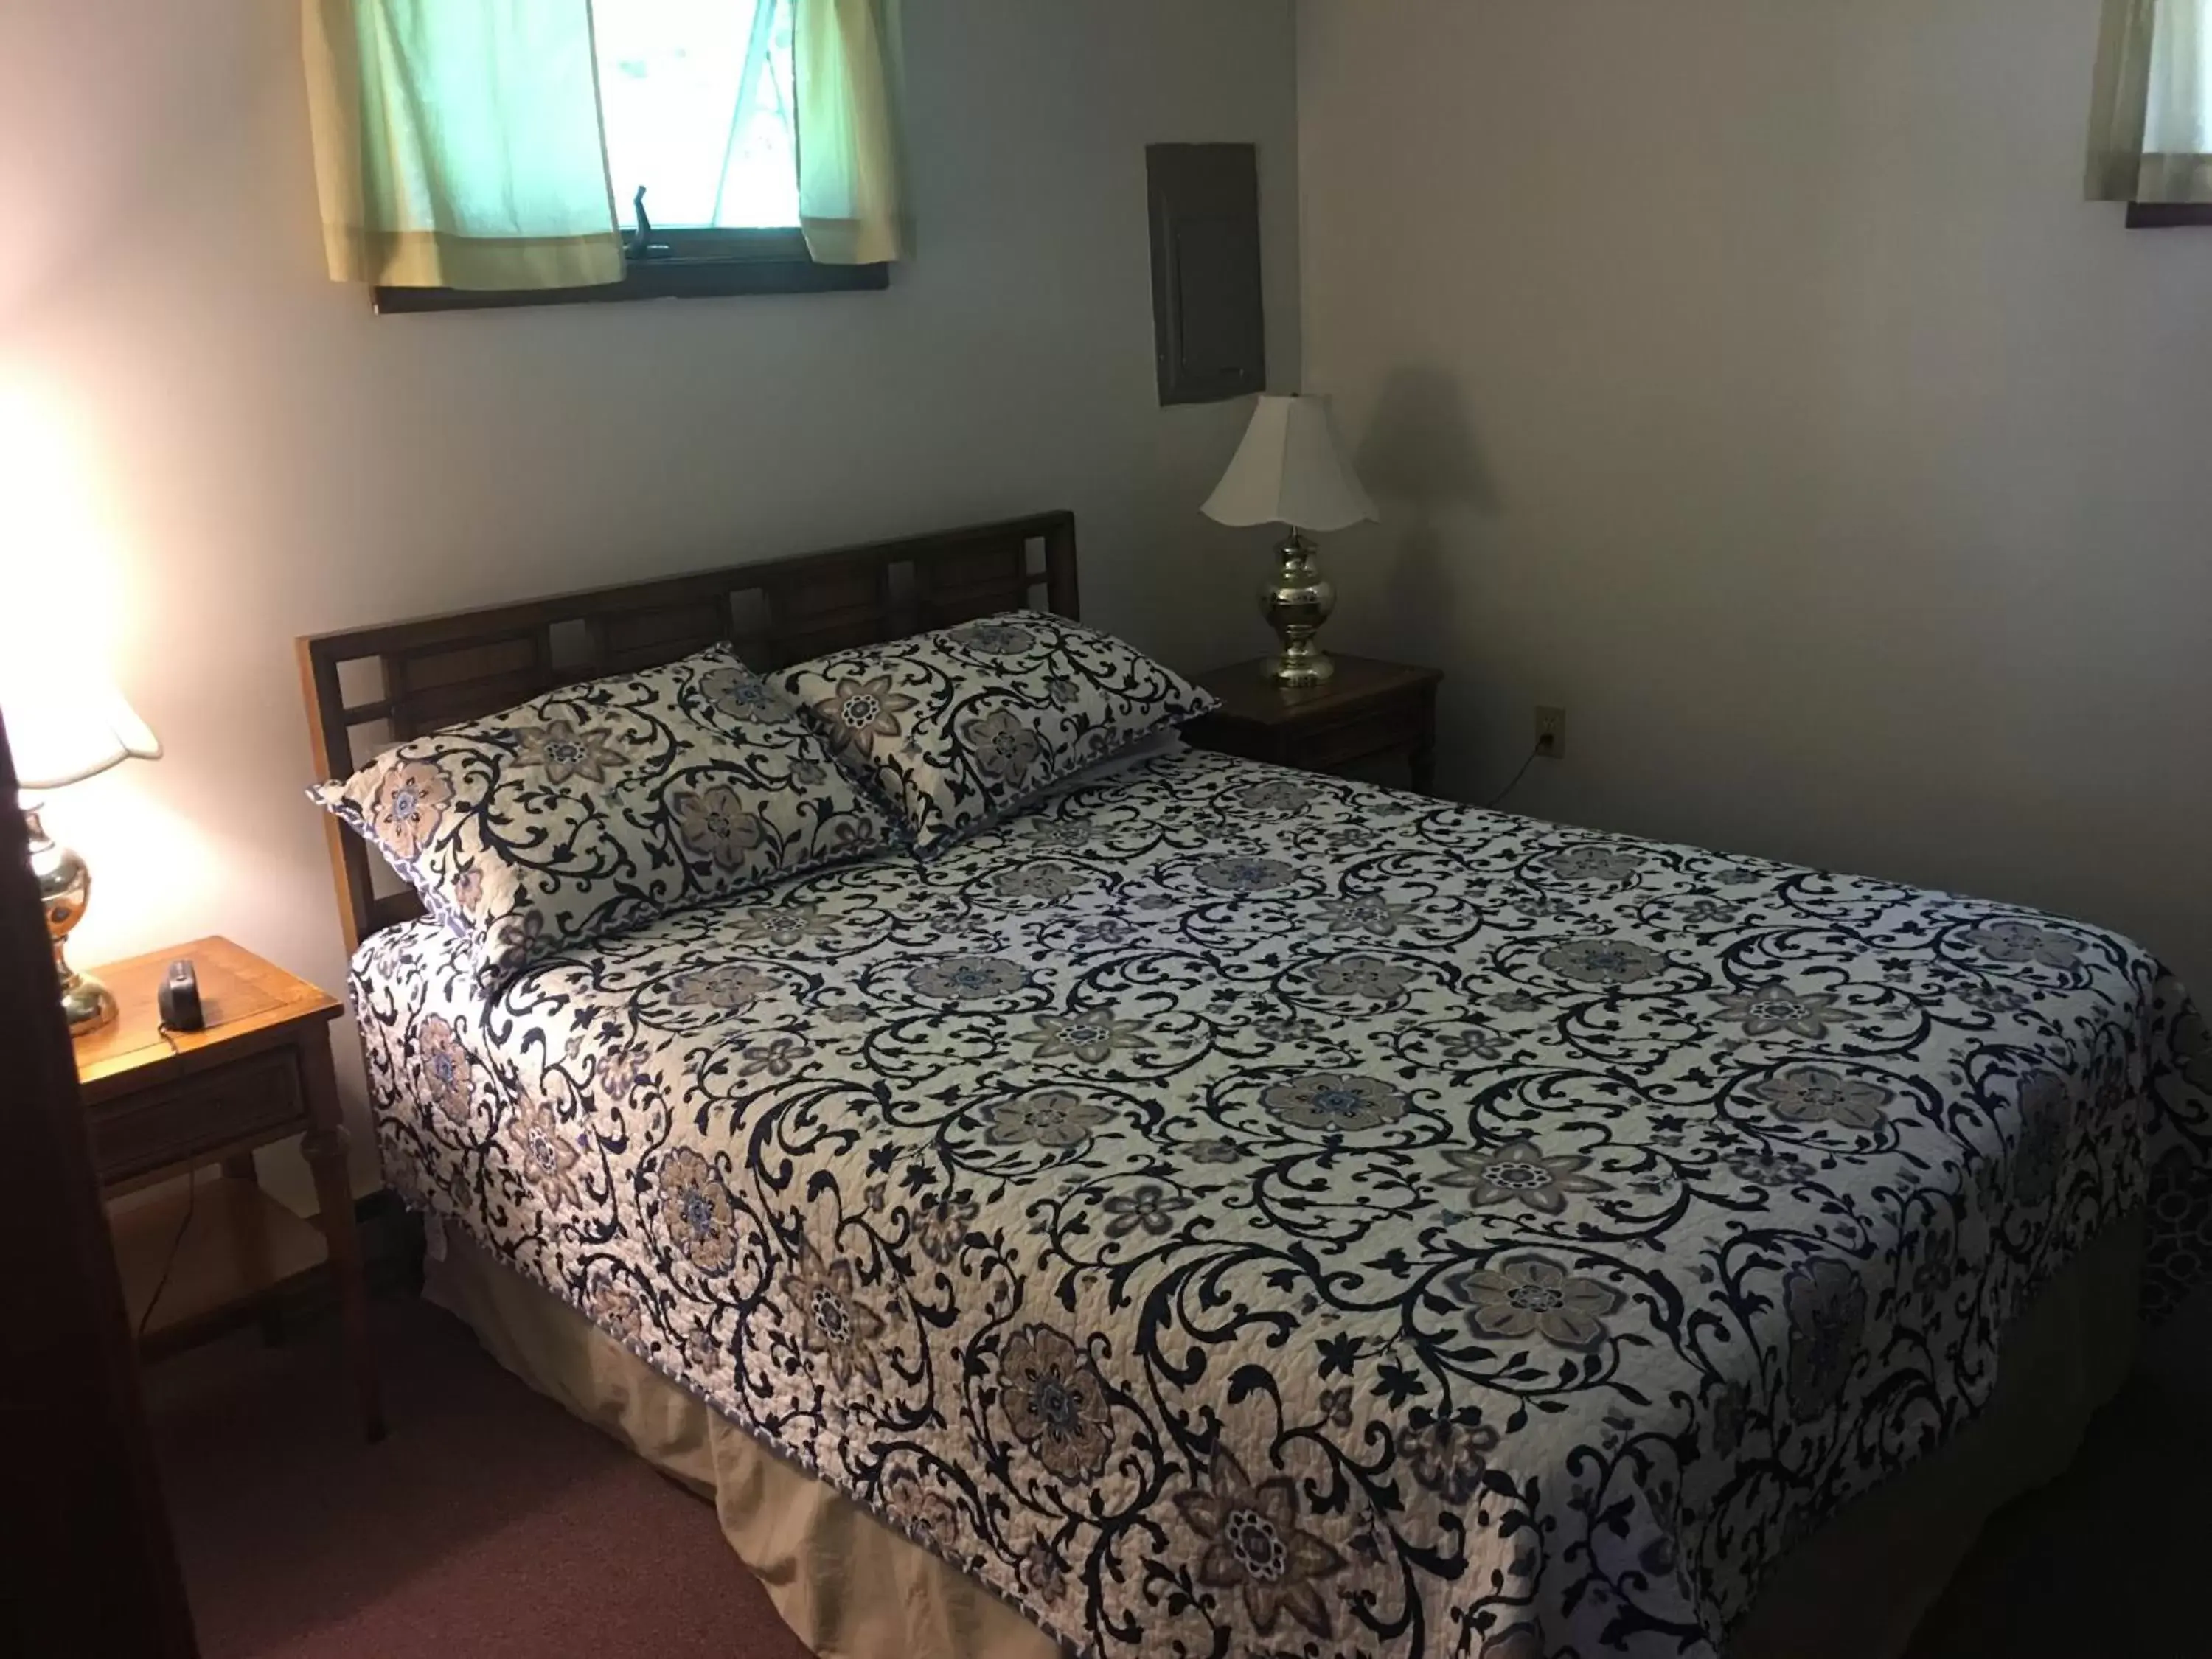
1295, 606
87, 1003
64, 886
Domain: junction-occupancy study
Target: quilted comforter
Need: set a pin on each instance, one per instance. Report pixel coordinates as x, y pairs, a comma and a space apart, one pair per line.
1232, 1211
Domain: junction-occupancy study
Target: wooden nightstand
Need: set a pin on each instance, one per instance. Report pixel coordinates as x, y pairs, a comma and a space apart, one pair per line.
162, 1104
1369, 709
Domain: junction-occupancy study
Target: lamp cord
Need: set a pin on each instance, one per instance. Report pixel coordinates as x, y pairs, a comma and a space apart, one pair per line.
177, 1242
1499, 799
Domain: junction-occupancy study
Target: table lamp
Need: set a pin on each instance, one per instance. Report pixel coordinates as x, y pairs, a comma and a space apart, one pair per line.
1291, 470
65, 726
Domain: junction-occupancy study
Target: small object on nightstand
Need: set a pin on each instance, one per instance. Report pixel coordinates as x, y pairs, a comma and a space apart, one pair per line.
162, 1100
178, 998
1368, 710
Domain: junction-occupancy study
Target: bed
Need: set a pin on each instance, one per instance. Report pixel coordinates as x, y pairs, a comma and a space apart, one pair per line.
1225, 1210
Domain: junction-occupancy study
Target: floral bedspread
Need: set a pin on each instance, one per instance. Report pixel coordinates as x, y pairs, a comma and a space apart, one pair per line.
1231, 1212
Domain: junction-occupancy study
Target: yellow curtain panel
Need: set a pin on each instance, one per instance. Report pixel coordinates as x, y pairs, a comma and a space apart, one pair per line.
849, 201
458, 143
2150, 125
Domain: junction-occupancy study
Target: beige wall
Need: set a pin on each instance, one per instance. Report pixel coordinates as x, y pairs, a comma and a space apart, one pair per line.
1745, 378
257, 456
1749, 379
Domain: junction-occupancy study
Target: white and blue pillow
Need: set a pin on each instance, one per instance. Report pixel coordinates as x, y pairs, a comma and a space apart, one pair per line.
601, 806
960, 726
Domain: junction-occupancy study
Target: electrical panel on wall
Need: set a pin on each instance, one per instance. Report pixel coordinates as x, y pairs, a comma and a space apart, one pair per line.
1209, 329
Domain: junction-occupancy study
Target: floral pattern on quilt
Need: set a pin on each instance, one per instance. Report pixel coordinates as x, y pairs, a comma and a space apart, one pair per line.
602, 805
1234, 1212
960, 726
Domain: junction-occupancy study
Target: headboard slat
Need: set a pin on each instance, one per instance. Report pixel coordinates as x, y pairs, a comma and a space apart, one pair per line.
440, 669
624, 639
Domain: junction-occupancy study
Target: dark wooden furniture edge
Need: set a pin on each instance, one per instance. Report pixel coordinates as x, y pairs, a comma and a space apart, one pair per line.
87, 1564
441, 669
2169, 216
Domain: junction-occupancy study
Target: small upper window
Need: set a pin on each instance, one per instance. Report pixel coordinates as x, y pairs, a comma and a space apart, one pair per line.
481, 152
2150, 138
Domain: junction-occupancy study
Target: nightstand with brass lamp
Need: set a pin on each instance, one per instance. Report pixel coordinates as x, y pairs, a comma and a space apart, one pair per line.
65, 726
1290, 470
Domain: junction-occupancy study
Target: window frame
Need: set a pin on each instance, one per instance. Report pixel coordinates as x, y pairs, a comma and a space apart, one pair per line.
701, 265
2168, 215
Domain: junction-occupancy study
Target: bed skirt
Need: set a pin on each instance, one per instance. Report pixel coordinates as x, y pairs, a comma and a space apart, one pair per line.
852, 1589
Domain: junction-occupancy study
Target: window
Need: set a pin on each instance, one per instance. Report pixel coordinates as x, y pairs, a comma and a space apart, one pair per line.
2150, 143
697, 104
2177, 123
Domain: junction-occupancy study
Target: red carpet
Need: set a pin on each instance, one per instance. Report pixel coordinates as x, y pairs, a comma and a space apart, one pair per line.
492, 1524
489, 1523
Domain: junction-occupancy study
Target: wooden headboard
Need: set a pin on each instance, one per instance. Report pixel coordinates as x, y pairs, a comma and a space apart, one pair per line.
368, 688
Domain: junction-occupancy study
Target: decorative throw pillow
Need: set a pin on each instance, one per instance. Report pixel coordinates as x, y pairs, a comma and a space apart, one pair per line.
960, 726
600, 806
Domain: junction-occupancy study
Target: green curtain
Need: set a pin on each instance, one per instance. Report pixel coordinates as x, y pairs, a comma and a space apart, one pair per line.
2150, 132
458, 143
849, 201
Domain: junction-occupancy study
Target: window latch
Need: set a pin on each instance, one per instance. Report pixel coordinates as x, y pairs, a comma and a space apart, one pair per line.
641, 244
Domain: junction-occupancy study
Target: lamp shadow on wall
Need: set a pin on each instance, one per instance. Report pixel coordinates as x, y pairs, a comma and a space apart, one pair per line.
1421, 459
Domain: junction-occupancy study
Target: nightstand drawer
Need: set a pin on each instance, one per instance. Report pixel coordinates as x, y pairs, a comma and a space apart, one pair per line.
1403, 724
169, 1122
1365, 711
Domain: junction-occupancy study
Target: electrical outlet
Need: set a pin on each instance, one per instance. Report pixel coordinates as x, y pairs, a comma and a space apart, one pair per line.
1552, 733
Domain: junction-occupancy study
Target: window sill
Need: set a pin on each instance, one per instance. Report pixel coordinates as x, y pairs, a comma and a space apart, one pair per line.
2168, 215
656, 279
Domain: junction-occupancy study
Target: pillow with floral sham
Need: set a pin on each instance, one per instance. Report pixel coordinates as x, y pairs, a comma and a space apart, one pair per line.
960, 726
600, 806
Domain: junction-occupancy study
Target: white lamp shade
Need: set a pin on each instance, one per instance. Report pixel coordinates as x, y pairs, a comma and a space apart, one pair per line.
1290, 470
65, 726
